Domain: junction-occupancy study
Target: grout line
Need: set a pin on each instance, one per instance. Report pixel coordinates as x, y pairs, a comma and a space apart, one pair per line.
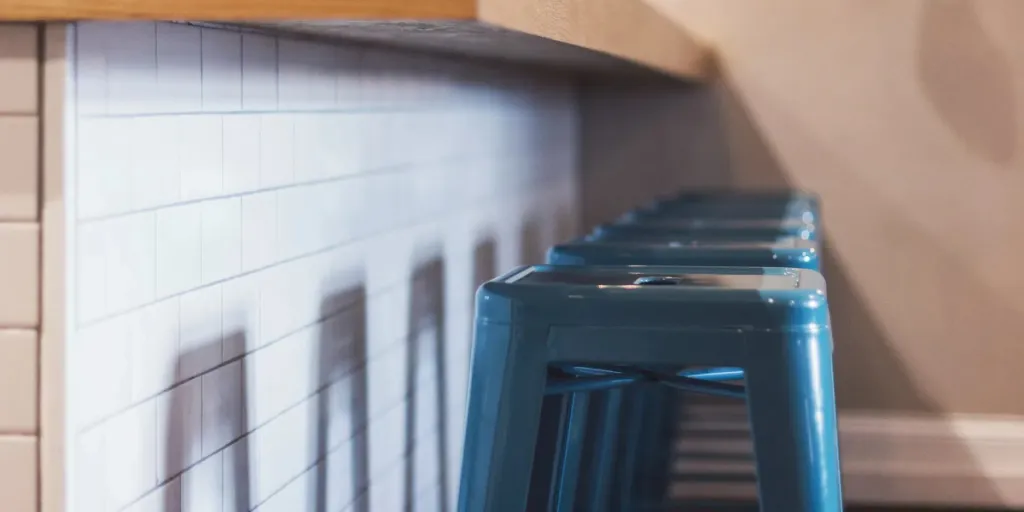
14, 435
21, 223
318, 252
395, 108
361, 430
323, 250
202, 94
388, 468
20, 330
277, 72
385, 170
392, 169
103, 419
241, 71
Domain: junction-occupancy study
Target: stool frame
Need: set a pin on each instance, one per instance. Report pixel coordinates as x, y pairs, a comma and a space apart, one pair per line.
780, 337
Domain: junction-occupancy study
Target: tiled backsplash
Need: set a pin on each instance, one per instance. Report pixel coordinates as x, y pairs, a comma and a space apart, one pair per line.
276, 248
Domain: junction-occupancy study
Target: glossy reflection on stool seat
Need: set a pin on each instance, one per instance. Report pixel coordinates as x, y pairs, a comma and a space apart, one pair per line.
673, 250
770, 196
804, 208
714, 229
772, 322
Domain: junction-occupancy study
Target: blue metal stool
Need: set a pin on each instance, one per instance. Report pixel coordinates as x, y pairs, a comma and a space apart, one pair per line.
749, 195
743, 229
605, 327
755, 218
737, 206
749, 216
672, 250
655, 250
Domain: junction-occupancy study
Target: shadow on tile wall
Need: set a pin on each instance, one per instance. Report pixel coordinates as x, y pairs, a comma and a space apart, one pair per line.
342, 392
426, 423
485, 261
542, 230
531, 242
203, 415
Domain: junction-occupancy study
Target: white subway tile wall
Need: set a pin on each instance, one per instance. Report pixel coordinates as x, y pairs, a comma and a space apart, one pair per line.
277, 246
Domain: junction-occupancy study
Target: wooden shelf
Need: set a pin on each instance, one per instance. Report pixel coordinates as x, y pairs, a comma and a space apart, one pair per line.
601, 34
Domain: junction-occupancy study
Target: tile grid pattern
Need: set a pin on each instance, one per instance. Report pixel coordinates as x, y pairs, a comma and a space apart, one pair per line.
238, 197
19, 265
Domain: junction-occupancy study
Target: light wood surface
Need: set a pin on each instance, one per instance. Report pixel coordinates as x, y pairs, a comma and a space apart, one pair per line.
610, 35
627, 29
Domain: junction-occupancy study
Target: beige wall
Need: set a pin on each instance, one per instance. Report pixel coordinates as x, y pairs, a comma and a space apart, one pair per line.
19, 266
907, 118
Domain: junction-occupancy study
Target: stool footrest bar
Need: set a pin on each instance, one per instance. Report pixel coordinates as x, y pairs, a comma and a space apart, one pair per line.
587, 384
705, 387
714, 374
704, 381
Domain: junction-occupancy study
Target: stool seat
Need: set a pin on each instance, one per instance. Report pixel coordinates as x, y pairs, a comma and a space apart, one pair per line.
662, 249
772, 322
801, 208
735, 229
775, 196
643, 461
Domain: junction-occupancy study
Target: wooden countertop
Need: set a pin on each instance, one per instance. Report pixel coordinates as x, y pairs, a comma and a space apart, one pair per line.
611, 35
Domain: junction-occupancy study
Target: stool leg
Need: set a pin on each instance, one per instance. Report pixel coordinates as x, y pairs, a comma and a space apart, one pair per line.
630, 449
665, 436
506, 392
604, 455
656, 437
793, 419
546, 452
570, 451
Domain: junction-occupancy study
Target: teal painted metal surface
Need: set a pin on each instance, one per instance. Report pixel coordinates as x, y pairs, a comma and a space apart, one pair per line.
670, 250
570, 451
709, 229
606, 438
626, 477
771, 196
665, 249
771, 322
803, 209
670, 222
